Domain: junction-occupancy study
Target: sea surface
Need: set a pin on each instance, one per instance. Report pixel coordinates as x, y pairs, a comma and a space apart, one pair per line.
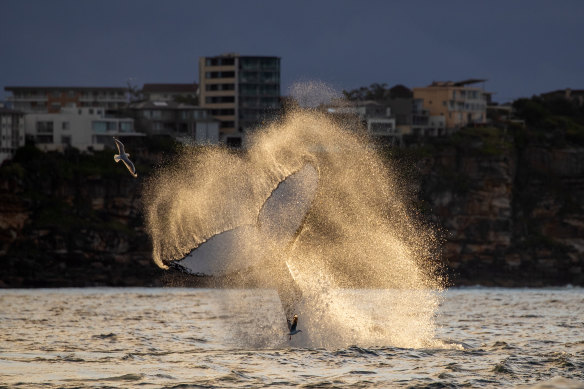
208, 338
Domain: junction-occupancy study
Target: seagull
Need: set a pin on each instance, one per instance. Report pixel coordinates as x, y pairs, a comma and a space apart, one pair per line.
292, 326
122, 156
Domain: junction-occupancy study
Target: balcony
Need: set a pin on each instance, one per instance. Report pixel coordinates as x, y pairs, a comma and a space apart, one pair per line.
27, 98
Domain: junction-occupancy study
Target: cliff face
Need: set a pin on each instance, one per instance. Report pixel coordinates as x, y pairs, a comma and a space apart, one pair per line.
511, 214
510, 209
65, 223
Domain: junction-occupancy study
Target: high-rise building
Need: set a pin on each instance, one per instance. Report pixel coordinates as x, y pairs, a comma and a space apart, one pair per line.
240, 91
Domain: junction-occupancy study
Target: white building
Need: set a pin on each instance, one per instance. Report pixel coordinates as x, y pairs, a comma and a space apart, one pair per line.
376, 117
82, 128
11, 132
169, 92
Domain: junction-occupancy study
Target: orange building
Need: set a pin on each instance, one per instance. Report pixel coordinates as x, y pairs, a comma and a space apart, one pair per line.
460, 104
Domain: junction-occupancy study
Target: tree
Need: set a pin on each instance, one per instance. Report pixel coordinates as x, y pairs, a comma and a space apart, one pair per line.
378, 92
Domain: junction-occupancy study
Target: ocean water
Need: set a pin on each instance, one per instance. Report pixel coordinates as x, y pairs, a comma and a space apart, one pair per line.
199, 338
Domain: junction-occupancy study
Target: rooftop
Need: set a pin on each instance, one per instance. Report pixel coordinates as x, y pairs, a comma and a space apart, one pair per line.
173, 88
163, 105
458, 83
54, 88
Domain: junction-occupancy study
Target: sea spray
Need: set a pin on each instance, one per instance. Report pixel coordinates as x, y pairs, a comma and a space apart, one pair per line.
358, 235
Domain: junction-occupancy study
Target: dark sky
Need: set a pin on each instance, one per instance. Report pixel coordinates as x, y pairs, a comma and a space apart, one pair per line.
522, 47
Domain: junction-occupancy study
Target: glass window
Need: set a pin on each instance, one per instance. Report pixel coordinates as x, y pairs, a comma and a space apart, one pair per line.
126, 126
99, 126
210, 87
65, 125
44, 127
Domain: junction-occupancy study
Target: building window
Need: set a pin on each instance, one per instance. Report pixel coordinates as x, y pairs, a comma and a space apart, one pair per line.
126, 126
219, 99
219, 75
65, 125
99, 126
213, 87
222, 112
44, 127
66, 140
220, 61
227, 124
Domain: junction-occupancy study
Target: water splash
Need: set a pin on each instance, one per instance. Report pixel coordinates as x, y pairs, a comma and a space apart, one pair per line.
311, 94
358, 233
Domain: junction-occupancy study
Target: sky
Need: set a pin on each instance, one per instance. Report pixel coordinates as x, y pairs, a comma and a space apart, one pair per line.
522, 47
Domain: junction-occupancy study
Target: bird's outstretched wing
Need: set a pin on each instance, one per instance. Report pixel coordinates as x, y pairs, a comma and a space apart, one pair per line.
130, 166
120, 146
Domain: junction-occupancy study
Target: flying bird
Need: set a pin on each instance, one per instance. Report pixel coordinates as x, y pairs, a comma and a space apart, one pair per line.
292, 326
124, 157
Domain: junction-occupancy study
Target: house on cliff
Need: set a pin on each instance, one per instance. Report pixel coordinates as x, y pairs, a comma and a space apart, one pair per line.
375, 117
170, 92
81, 127
575, 96
183, 122
460, 103
11, 132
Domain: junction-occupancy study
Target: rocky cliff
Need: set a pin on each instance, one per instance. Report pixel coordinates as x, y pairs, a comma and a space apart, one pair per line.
72, 220
508, 204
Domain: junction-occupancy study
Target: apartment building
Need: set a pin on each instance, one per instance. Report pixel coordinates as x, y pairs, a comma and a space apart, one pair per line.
42, 99
11, 132
458, 102
170, 92
240, 92
186, 123
375, 117
83, 128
